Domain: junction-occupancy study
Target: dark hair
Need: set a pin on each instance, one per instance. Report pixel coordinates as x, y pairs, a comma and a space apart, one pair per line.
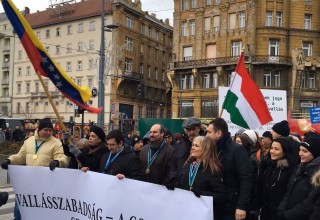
220, 124
116, 134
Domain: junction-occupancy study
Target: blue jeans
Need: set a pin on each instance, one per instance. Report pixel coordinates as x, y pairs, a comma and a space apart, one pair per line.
16, 212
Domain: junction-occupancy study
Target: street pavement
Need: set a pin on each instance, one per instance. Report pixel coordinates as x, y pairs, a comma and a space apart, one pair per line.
6, 211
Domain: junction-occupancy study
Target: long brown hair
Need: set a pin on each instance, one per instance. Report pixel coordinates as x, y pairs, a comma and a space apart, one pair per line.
209, 154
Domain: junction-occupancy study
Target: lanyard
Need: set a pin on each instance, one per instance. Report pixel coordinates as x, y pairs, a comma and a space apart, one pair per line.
37, 146
110, 161
151, 159
192, 173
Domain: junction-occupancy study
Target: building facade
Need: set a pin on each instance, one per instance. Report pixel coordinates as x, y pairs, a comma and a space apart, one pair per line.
279, 37
71, 34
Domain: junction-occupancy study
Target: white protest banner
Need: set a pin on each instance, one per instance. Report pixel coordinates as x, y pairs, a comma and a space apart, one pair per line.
277, 104
72, 194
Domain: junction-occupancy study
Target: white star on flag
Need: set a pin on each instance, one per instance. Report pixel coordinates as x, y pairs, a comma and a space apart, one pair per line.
59, 84
44, 59
56, 76
51, 68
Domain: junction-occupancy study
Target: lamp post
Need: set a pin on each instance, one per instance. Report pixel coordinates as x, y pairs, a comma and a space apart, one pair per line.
101, 67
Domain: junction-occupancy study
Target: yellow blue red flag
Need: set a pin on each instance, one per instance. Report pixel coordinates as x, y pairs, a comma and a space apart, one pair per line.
43, 63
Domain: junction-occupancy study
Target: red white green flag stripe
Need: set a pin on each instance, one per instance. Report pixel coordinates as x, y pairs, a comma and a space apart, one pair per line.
244, 100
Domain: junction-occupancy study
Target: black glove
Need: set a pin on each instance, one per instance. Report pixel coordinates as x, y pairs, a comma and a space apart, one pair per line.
196, 192
65, 137
5, 164
53, 164
3, 198
170, 186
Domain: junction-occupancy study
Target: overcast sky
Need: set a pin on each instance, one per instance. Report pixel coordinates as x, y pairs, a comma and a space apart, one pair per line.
162, 8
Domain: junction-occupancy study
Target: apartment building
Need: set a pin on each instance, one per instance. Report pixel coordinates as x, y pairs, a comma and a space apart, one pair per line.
280, 51
71, 34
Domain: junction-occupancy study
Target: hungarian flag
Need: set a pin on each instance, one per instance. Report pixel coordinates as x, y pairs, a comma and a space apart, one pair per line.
244, 100
43, 63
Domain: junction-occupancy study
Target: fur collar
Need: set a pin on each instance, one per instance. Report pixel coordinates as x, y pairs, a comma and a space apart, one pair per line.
282, 164
316, 179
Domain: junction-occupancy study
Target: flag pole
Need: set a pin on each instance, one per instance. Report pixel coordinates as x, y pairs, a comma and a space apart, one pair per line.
51, 101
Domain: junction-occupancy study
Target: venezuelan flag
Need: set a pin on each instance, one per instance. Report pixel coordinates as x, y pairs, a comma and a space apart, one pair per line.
43, 63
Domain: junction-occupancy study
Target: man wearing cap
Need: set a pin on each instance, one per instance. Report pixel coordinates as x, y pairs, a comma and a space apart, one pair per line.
237, 177
282, 129
136, 145
191, 127
156, 157
42, 149
266, 144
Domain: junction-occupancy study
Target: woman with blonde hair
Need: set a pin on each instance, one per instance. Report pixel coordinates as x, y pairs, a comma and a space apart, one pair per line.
202, 173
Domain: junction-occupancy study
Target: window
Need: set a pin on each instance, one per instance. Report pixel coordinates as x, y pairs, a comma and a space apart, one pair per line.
69, 29
272, 78
58, 49
187, 53
19, 71
142, 29
232, 21
216, 2
69, 69
215, 80
308, 80
307, 21
209, 80
79, 65
47, 33
186, 82
183, 28
140, 111
80, 27
216, 23
28, 73
18, 88
92, 25
208, 2
273, 48
19, 54
268, 18
69, 47
211, 51
191, 82
236, 48
307, 49
279, 19
163, 76
91, 64
207, 25
149, 72
80, 46
155, 73
79, 82
192, 27
38, 35
193, 3
150, 32
206, 81
129, 22
242, 19
128, 65
58, 32
157, 35
141, 68
48, 49
91, 44
209, 108
184, 4
186, 109
27, 87
129, 43
36, 87
230, 76
90, 82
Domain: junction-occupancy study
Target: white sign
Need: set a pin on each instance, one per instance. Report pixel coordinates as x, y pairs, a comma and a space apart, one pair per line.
277, 104
73, 194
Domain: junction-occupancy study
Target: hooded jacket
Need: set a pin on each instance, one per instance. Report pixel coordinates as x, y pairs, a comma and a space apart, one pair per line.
315, 196
50, 150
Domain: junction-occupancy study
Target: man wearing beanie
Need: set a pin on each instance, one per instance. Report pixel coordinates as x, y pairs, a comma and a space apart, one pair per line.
266, 144
42, 149
282, 130
294, 205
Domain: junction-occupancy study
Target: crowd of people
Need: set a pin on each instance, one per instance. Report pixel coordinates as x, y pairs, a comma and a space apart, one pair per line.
273, 177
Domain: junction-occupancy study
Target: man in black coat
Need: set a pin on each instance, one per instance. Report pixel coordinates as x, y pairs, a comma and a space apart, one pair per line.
156, 157
238, 177
120, 161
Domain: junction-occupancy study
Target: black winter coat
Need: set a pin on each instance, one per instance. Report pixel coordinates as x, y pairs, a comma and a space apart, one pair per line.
274, 182
299, 188
92, 159
160, 168
208, 184
126, 163
238, 174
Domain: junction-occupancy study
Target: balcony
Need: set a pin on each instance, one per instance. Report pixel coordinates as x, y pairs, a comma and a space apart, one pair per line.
5, 66
5, 82
6, 48
224, 61
131, 76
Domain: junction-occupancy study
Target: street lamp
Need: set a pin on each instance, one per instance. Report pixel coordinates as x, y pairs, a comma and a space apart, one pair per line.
101, 67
